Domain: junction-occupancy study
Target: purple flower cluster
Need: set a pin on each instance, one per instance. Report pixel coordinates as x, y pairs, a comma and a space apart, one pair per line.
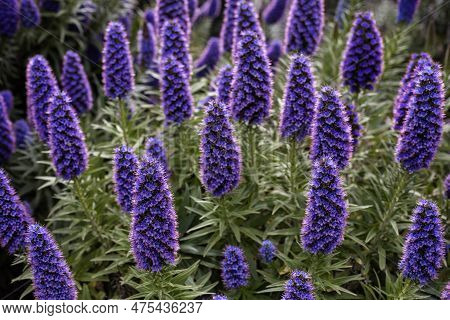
299, 100
14, 218
274, 52
220, 159
299, 287
125, 170
150, 17
219, 297
209, 57
223, 82
147, 46
326, 211
75, 83
30, 15
154, 148
423, 250
251, 94
173, 10
228, 25
422, 129
406, 10
175, 43
304, 26
355, 126
153, 235
445, 294
118, 73
235, 271
7, 136
267, 251
22, 133
66, 140
9, 17
274, 11
8, 98
52, 279
362, 64
192, 7
331, 133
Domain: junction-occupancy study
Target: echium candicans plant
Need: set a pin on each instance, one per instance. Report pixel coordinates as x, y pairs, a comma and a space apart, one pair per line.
267, 251
251, 89
223, 83
22, 132
75, 83
405, 91
300, 99
154, 148
274, 52
146, 46
153, 234
14, 217
209, 57
8, 98
125, 165
220, 156
326, 210
173, 10
330, 132
52, 278
68, 150
423, 250
176, 96
41, 86
7, 136
118, 73
298, 287
9, 17
274, 11
228, 25
362, 63
422, 131
304, 26
355, 126
29, 14
175, 43
234, 268
406, 10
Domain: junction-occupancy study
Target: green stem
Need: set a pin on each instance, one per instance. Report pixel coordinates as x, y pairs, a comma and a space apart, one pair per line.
293, 167
123, 120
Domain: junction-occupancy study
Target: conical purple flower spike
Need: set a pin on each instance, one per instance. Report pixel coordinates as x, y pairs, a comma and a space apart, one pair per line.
153, 235
447, 186
8, 98
41, 85
274, 52
223, 82
362, 63
355, 126
7, 136
209, 58
52, 279
235, 271
192, 6
299, 287
326, 211
406, 10
423, 250
9, 17
22, 132
445, 294
75, 83
118, 73
66, 140
422, 130
14, 218
125, 171
331, 133
220, 159
176, 10
154, 148
304, 26
251, 94
147, 46
267, 251
29, 14
274, 11
175, 43
406, 89
299, 100
150, 17
228, 25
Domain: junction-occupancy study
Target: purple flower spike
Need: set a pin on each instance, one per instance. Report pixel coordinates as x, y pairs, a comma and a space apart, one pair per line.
423, 250
331, 133
75, 83
154, 148
445, 294
355, 126
274, 52
406, 10
299, 287
14, 218
30, 15
219, 297
52, 279
7, 136
66, 140
150, 17
22, 133
252, 80
447, 186
406, 89
118, 73
228, 25
220, 160
304, 26
422, 130
299, 100
147, 46
41, 86
192, 6
153, 235
177, 10
8, 99
274, 11
223, 82
210, 8
209, 58
125, 170
362, 64
326, 211
235, 271
267, 251
9, 17
175, 43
